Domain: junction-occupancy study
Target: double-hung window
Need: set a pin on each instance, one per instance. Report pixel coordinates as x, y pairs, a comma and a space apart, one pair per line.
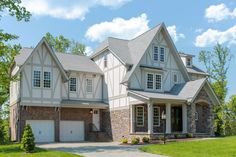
155, 53
150, 81
156, 116
139, 116
158, 82
73, 85
37, 78
162, 54
89, 85
46, 79
154, 81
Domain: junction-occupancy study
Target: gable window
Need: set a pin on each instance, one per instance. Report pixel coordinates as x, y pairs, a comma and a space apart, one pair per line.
175, 78
189, 62
158, 82
36, 78
156, 116
139, 116
155, 53
89, 85
196, 116
46, 79
162, 54
149, 81
73, 82
105, 61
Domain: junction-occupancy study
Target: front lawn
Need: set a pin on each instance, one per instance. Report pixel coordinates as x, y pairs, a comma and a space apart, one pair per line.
14, 150
205, 148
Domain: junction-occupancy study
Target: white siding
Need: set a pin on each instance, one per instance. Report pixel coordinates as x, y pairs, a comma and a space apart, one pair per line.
14, 91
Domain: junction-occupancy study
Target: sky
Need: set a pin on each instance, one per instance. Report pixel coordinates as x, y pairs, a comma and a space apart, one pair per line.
193, 25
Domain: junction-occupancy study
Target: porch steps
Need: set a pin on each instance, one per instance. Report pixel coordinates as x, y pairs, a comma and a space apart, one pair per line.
98, 136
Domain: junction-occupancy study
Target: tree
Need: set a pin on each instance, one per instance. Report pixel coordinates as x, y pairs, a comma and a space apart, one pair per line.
217, 64
64, 45
27, 141
230, 116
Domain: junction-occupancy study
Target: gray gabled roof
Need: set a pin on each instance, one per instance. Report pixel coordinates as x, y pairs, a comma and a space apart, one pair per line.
196, 70
68, 61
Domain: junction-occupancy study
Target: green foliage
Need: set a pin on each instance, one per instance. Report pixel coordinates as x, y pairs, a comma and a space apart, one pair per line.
64, 45
217, 64
4, 131
146, 139
161, 138
124, 140
230, 116
27, 141
135, 140
176, 136
189, 135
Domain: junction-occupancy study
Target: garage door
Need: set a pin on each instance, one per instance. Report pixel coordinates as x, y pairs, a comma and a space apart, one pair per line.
43, 130
71, 131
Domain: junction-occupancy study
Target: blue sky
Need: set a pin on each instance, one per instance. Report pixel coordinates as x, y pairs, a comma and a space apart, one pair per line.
193, 25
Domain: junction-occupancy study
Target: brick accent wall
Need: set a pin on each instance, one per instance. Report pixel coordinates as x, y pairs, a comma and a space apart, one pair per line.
159, 129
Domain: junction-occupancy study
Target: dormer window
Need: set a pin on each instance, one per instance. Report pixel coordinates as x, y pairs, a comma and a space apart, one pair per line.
158, 54
189, 62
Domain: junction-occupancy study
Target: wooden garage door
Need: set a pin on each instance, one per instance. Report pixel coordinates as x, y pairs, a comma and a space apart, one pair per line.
71, 131
43, 130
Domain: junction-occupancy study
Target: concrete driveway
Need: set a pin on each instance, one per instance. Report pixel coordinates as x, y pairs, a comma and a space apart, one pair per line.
98, 149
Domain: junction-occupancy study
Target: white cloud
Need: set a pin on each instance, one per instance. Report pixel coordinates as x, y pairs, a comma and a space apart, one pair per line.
64, 9
219, 12
173, 33
118, 27
199, 30
212, 36
88, 50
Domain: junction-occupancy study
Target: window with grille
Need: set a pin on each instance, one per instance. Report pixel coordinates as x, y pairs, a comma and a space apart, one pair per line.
89, 85
158, 82
139, 116
155, 53
149, 81
162, 54
46, 79
73, 85
36, 78
156, 116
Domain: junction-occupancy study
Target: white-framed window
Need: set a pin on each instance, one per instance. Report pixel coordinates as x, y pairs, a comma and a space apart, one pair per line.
155, 53
73, 84
150, 81
139, 116
46, 79
175, 78
162, 54
196, 116
158, 81
105, 61
189, 62
37, 78
89, 85
156, 116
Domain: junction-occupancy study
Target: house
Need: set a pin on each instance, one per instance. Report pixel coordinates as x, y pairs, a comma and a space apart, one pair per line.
121, 90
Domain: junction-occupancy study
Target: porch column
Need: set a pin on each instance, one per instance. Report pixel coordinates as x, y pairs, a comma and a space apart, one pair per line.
168, 118
132, 119
150, 117
184, 117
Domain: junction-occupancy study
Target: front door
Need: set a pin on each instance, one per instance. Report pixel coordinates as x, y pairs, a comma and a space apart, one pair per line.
176, 119
96, 120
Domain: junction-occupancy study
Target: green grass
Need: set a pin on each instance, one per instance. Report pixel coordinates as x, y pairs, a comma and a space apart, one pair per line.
206, 148
13, 150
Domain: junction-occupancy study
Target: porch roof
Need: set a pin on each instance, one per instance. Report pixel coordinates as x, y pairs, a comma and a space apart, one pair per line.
84, 104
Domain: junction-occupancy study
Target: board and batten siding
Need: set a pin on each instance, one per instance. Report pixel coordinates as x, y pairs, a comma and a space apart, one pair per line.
113, 91
40, 60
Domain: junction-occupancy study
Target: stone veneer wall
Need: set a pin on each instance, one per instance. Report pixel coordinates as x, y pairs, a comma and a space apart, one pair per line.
13, 122
159, 129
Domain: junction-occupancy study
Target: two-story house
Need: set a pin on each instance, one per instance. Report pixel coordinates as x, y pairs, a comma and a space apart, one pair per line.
124, 89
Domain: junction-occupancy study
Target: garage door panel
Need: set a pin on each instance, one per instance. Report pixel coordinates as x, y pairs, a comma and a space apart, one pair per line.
43, 130
71, 131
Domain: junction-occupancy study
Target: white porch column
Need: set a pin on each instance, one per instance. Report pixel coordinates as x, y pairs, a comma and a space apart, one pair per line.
150, 117
168, 118
132, 119
184, 117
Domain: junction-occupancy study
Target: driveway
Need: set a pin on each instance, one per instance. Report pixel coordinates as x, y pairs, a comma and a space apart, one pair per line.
98, 149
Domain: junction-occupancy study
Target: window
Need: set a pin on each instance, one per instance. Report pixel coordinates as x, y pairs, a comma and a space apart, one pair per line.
139, 116
175, 78
36, 78
158, 82
89, 85
156, 116
46, 79
73, 84
155, 53
105, 61
162, 54
189, 62
149, 81
196, 116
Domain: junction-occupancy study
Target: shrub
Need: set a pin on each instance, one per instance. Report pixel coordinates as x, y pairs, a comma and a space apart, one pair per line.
161, 137
124, 140
135, 140
146, 139
27, 141
176, 136
189, 135
4, 132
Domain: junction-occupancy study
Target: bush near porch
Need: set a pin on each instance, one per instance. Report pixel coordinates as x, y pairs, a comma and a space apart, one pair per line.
13, 150
205, 148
